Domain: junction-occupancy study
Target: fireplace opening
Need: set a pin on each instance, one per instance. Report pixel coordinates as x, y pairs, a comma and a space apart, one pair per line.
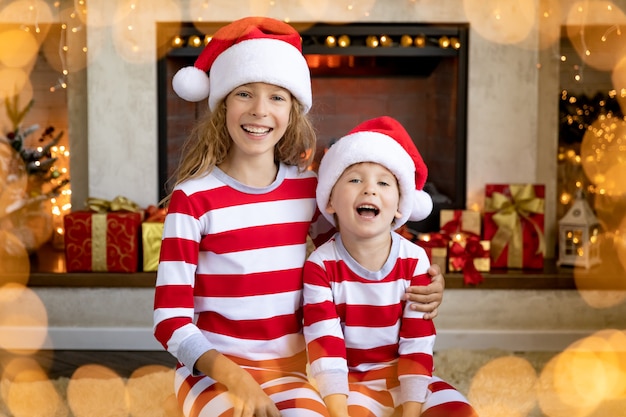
415, 73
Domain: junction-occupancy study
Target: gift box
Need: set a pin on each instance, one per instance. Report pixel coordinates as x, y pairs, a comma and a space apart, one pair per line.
436, 247
151, 236
102, 241
514, 223
459, 221
470, 255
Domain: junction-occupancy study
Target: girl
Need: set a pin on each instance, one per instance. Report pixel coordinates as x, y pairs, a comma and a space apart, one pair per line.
229, 283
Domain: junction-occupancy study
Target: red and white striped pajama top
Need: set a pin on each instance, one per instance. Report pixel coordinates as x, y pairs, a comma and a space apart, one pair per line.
363, 340
230, 279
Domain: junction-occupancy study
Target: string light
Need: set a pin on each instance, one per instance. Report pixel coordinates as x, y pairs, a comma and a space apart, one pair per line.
372, 41
406, 40
61, 204
343, 41
177, 42
420, 41
194, 41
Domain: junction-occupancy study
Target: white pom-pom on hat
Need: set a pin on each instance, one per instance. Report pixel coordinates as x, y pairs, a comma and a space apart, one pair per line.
253, 49
382, 140
191, 84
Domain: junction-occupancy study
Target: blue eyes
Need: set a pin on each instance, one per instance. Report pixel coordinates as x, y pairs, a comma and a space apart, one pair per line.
381, 183
245, 94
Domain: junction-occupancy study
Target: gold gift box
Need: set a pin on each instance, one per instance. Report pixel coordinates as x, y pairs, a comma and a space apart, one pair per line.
464, 220
151, 236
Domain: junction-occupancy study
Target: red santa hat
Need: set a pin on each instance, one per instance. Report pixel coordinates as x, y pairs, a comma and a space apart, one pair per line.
382, 140
253, 49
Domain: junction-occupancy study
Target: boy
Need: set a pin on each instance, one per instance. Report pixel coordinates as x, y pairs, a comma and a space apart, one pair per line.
368, 351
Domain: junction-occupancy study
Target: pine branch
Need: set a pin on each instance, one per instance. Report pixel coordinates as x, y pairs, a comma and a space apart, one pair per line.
16, 116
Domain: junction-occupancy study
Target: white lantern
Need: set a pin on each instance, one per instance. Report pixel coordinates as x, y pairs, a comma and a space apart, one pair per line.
579, 236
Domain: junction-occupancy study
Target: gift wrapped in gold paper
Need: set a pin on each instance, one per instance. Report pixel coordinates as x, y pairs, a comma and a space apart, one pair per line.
151, 235
460, 221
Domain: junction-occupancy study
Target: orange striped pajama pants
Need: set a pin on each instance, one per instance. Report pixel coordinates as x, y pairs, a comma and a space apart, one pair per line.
296, 397
291, 392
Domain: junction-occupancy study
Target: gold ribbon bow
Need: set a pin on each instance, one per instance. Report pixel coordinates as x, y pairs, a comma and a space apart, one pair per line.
119, 203
508, 215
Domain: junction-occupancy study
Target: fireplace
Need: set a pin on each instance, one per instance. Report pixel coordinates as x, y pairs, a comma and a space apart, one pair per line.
412, 72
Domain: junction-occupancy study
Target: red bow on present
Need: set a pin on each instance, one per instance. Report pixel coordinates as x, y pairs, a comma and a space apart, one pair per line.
436, 240
155, 214
454, 225
462, 257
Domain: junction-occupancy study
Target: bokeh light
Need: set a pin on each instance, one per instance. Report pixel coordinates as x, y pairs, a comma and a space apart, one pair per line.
12, 82
65, 47
32, 224
14, 260
102, 18
549, 23
604, 146
30, 13
619, 243
618, 78
23, 319
501, 21
504, 387
315, 9
27, 391
95, 390
150, 392
18, 48
604, 285
13, 178
134, 32
588, 376
593, 28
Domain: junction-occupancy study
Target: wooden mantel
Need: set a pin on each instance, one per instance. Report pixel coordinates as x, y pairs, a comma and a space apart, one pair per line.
48, 270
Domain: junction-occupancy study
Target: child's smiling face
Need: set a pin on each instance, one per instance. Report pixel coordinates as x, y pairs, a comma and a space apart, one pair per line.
365, 200
257, 116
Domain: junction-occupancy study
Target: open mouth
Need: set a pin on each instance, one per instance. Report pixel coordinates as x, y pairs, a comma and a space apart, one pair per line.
255, 130
367, 210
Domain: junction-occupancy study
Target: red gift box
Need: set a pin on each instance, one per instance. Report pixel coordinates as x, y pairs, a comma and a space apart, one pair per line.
102, 241
514, 223
469, 254
436, 247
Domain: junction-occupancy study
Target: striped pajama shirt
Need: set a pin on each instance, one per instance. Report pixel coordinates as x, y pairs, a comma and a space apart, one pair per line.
363, 340
230, 279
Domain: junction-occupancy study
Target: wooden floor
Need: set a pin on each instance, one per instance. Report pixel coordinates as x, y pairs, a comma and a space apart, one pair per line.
63, 363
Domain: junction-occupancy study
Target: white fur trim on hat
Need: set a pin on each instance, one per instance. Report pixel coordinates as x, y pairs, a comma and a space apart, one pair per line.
260, 60
366, 146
